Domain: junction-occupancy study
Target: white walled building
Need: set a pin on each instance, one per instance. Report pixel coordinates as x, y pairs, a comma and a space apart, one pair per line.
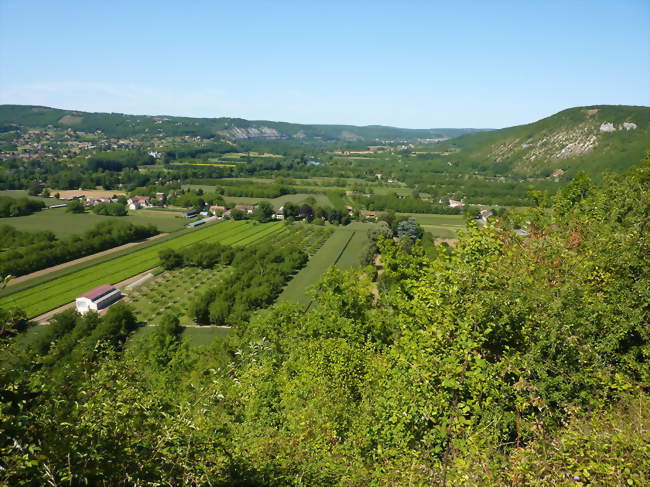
97, 298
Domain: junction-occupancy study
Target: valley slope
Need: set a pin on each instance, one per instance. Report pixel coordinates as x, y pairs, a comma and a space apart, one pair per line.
593, 139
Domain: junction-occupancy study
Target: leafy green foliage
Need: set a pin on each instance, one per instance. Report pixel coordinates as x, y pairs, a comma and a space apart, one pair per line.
511, 360
19, 206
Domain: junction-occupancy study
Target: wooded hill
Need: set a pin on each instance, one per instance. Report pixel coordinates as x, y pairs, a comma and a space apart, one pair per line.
592, 139
121, 125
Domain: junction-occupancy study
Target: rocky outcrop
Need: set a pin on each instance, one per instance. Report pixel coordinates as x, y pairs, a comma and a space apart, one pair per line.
610, 127
240, 133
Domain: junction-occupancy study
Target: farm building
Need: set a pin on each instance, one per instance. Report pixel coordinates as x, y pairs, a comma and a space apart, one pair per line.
98, 298
191, 213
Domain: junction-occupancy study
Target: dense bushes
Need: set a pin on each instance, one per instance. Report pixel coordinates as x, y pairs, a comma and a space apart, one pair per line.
12, 238
46, 251
110, 209
511, 361
18, 206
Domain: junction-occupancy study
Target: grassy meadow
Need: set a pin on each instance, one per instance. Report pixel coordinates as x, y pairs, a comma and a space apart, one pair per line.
62, 223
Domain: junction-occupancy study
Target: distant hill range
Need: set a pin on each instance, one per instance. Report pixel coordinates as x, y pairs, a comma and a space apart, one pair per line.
120, 125
593, 139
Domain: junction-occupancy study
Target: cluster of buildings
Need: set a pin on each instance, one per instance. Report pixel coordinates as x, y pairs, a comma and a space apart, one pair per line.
138, 202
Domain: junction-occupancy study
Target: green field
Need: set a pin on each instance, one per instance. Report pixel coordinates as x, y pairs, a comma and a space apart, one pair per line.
21, 193
49, 295
343, 249
62, 224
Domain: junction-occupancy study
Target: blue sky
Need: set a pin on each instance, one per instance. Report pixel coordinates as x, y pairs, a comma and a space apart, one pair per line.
407, 64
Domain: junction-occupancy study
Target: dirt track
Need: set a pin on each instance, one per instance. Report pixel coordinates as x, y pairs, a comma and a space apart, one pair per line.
42, 272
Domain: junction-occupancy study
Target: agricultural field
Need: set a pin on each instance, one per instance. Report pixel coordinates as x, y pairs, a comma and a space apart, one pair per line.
173, 290
52, 294
344, 249
62, 223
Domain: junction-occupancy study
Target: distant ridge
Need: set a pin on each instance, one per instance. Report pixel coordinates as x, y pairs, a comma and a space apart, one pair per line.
120, 125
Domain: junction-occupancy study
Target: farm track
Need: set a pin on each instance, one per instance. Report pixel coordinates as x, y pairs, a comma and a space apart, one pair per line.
51, 294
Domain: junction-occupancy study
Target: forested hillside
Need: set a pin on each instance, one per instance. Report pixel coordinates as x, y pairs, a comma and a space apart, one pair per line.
516, 358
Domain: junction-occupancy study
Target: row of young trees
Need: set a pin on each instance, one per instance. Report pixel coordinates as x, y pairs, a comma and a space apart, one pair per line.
27, 255
509, 361
255, 278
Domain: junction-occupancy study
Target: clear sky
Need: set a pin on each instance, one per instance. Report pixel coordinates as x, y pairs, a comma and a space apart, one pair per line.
419, 64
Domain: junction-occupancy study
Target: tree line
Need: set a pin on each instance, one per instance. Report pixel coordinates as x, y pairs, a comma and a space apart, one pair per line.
31, 253
19, 206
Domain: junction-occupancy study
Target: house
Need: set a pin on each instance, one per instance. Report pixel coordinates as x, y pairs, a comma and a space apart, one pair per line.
245, 208
456, 204
279, 214
217, 210
137, 202
98, 298
368, 214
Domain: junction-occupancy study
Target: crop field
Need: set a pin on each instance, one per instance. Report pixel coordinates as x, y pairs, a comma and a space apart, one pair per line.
338, 201
62, 224
173, 290
343, 249
351, 255
49, 295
